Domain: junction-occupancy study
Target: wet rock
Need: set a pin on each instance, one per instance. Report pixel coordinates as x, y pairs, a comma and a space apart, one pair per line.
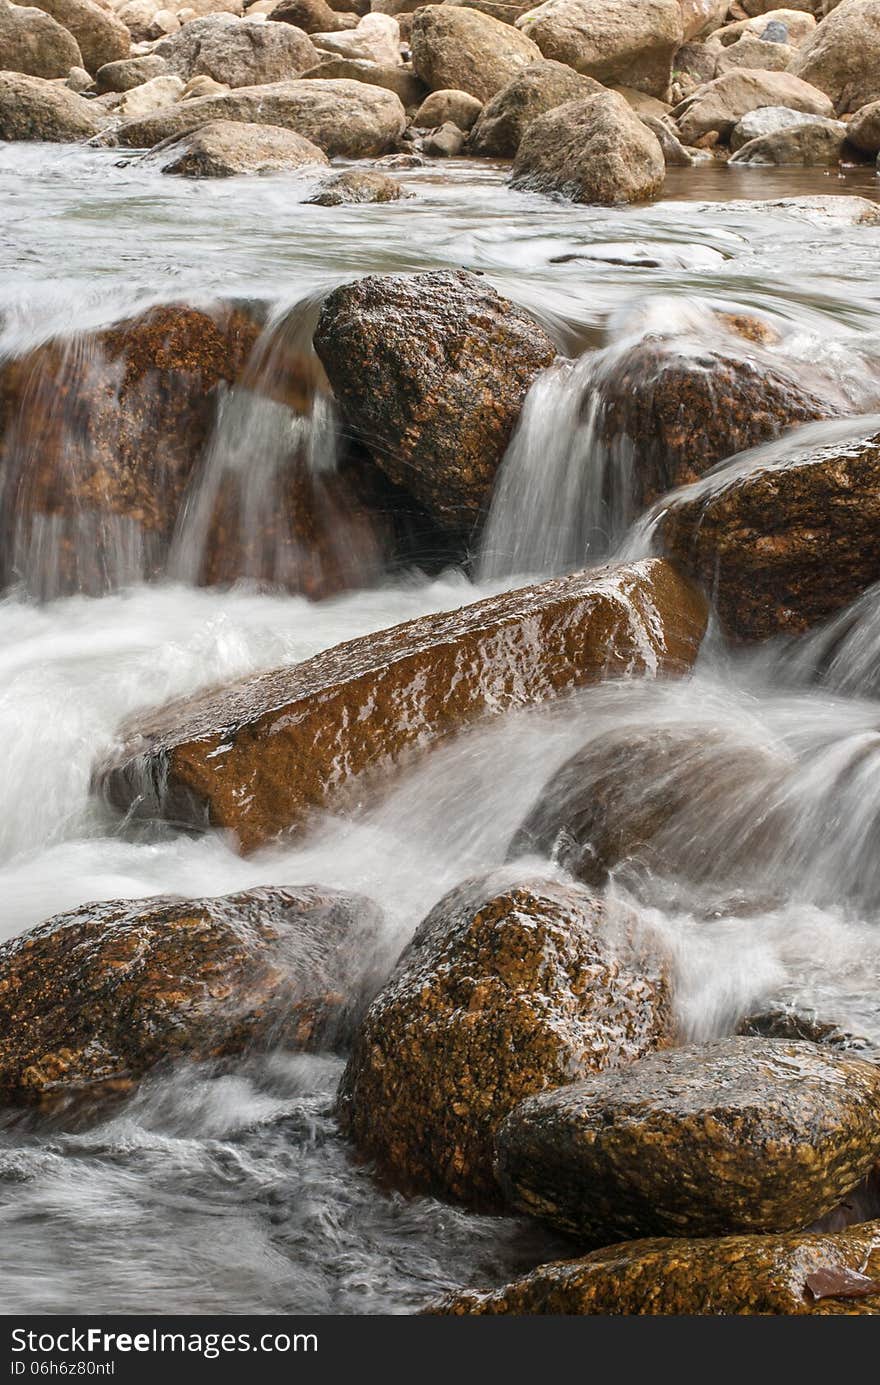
688, 804
444, 143
97, 997
769, 120
345, 119
238, 53
129, 72
312, 16
630, 41
672, 407
817, 145
537, 89
722, 103
35, 44
594, 150
733, 1275
101, 36
466, 50
222, 148
32, 108
502, 993
260, 757
786, 535
375, 39
842, 58
358, 185
105, 433
752, 52
400, 79
863, 131
791, 1021
459, 107
431, 371
740, 1135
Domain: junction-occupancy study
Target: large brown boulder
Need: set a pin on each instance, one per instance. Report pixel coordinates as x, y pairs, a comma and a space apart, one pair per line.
259, 757
685, 803
819, 144
721, 104
631, 41
785, 536
313, 16
346, 119
238, 53
222, 148
102, 438
503, 992
32, 108
842, 58
863, 130
431, 370
739, 1135
467, 50
97, 997
129, 73
34, 43
595, 150
537, 89
734, 1275
400, 78
101, 36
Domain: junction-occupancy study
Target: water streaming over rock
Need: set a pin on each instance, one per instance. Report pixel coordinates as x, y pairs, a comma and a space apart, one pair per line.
234, 1192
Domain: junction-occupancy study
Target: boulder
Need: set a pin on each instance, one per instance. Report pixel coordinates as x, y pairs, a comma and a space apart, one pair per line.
262, 756
739, 1135
760, 1275
96, 998
752, 52
102, 37
722, 103
769, 120
376, 39
503, 992
357, 185
863, 131
32, 108
199, 9
686, 804
842, 58
107, 430
444, 143
34, 44
817, 145
695, 65
313, 16
796, 25
631, 41
534, 91
786, 535
346, 119
400, 79
238, 53
147, 20
222, 148
431, 371
764, 7
467, 50
594, 149
459, 107
130, 72
701, 17
674, 153
78, 80
155, 95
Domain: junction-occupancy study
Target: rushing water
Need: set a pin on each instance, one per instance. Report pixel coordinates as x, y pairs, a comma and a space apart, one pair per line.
235, 1193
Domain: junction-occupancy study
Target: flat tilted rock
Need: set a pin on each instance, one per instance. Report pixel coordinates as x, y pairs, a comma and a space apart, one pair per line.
259, 757
504, 991
222, 148
32, 108
740, 1135
431, 371
99, 996
785, 535
733, 1275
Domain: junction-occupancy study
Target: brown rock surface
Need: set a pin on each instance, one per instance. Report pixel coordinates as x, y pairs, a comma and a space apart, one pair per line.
842, 57
354, 185
102, 37
259, 757
223, 148
34, 109
34, 43
594, 149
733, 1275
721, 104
431, 370
739, 1135
466, 50
502, 992
539, 88
99, 996
784, 537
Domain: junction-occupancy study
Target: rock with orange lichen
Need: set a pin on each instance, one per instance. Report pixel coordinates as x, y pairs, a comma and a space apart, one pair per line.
95, 998
505, 990
261, 757
732, 1275
739, 1135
